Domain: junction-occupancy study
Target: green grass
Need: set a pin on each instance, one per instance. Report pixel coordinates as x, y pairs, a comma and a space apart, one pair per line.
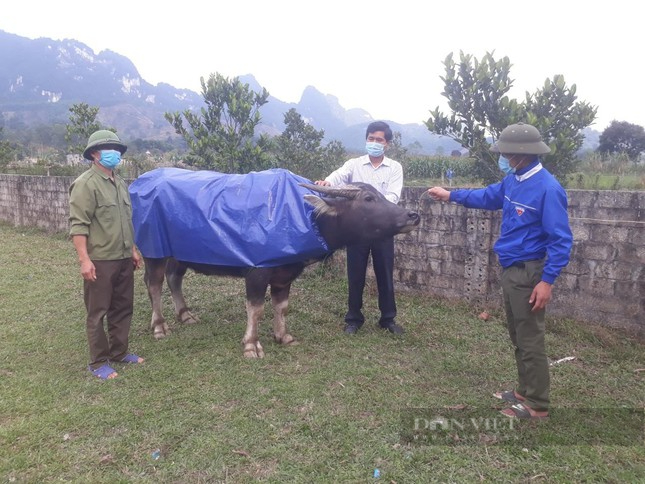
606, 181
326, 410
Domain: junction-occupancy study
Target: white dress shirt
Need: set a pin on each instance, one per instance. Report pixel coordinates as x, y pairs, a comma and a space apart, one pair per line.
387, 178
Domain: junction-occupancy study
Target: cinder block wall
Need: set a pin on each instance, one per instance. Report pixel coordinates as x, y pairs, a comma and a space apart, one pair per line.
36, 201
451, 256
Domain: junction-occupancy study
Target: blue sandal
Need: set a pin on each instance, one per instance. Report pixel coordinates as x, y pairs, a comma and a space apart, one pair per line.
130, 358
103, 372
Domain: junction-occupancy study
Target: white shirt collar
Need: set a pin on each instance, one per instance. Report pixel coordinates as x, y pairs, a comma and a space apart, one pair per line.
529, 173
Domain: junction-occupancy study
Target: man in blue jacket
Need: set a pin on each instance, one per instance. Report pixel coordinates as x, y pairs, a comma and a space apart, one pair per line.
533, 247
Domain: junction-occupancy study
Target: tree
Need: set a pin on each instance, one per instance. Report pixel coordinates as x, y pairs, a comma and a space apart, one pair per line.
82, 123
333, 156
622, 137
299, 148
395, 149
7, 151
221, 137
476, 92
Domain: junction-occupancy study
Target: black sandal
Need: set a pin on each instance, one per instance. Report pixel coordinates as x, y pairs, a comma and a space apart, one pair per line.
509, 396
521, 411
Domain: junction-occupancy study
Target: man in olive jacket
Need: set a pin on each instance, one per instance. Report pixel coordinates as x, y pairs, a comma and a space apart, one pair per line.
103, 236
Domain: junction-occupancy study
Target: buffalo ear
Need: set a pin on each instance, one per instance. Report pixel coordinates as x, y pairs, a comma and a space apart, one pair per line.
321, 207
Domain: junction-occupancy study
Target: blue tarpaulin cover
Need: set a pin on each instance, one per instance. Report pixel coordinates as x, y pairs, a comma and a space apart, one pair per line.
255, 220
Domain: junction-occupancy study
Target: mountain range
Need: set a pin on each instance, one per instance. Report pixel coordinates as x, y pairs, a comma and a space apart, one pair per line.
40, 79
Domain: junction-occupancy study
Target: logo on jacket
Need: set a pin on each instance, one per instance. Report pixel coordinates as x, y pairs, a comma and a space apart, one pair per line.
519, 210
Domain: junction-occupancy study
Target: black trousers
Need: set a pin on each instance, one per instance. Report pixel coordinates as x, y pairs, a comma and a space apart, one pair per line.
383, 262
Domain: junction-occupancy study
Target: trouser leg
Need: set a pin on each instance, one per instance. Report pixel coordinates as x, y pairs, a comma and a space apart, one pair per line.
119, 316
526, 330
357, 256
383, 261
98, 296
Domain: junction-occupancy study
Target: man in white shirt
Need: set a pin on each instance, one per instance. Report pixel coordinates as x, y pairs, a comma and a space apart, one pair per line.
386, 175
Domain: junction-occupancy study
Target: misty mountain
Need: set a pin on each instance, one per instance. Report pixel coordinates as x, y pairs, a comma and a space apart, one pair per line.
41, 79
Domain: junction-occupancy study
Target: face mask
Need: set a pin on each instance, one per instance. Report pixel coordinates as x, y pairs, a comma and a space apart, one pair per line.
110, 158
505, 165
374, 149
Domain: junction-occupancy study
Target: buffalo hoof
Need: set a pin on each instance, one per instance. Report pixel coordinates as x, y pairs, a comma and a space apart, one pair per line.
186, 317
160, 331
253, 350
286, 339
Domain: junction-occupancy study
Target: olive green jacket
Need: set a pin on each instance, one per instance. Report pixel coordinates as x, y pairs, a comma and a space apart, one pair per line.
100, 209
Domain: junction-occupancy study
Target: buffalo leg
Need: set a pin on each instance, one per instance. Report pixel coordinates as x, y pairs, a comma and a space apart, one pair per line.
153, 277
256, 286
280, 302
175, 276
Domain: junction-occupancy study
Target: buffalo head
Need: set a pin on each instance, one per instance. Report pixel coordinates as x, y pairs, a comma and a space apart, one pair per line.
357, 213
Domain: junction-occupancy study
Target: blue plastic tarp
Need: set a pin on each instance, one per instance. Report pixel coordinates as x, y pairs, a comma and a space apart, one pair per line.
255, 220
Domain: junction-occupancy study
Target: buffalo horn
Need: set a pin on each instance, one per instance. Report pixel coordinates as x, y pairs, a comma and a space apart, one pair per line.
346, 191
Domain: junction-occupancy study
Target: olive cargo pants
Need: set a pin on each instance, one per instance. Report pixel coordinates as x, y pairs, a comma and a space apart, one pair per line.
526, 330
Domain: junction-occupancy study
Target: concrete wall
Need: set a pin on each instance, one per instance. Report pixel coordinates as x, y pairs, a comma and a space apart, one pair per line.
451, 256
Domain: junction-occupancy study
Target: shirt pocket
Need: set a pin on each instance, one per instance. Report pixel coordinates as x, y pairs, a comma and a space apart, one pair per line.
107, 209
127, 204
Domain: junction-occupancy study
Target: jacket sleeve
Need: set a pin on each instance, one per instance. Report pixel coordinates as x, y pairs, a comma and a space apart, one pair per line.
555, 222
489, 198
81, 209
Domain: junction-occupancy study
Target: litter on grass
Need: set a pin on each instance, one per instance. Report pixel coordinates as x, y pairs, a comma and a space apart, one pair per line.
562, 360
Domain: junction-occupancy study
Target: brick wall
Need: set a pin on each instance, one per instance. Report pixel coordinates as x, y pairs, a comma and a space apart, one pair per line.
450, 255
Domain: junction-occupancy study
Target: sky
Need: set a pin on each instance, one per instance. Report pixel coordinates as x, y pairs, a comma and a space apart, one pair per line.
382, 56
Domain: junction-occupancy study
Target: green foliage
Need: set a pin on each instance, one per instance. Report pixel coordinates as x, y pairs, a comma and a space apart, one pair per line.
553, 110
299, 149
221, 137
7, 151
434, 167
395, 148
477, 96
622, 137
135, 165
333, 156
607, 172
82, 123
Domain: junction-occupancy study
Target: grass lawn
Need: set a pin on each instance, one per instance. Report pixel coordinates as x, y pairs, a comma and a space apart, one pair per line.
332, 408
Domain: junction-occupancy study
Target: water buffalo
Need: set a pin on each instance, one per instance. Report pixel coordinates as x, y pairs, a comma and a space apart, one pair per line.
346, 215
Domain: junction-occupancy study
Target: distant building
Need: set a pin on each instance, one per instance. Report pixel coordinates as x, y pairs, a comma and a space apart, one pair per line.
75, 159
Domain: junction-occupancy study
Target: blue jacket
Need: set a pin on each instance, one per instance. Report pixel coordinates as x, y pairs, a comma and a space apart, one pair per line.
535, 223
